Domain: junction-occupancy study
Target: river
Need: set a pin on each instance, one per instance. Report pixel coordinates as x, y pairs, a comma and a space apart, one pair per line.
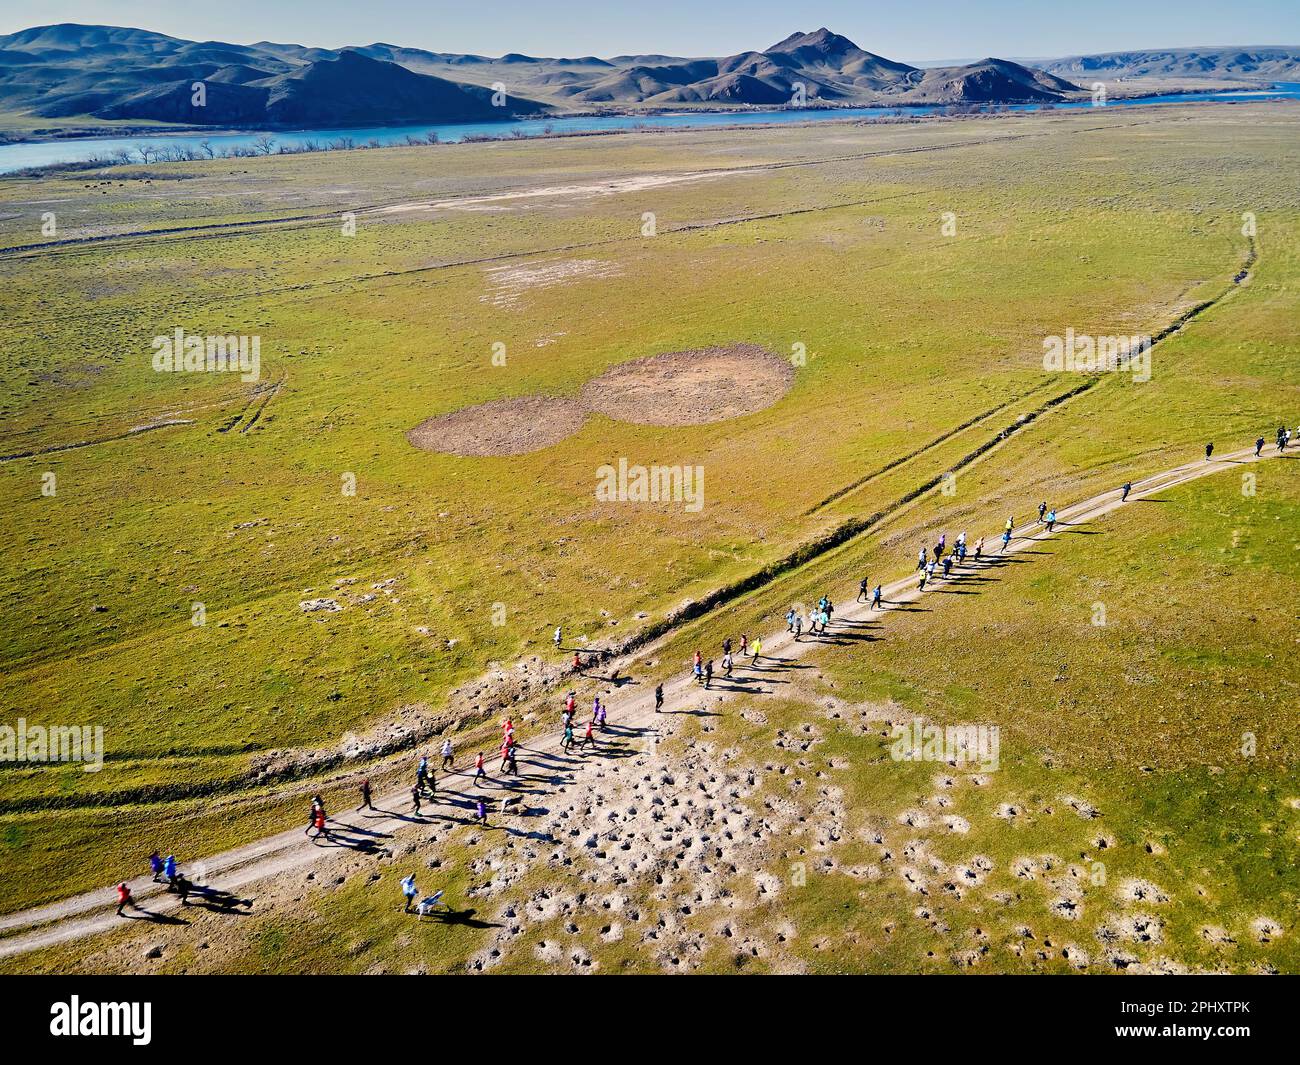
45, 153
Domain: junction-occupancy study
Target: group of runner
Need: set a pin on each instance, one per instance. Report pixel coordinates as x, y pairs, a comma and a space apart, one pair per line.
945, 557
168, 870
929, 562
1282, 439
599, 719
819, 617
160, 868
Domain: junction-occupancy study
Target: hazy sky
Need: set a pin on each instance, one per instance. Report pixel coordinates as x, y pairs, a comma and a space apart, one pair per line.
919, 30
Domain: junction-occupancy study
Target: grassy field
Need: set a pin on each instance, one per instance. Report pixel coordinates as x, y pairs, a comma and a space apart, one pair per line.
922, 347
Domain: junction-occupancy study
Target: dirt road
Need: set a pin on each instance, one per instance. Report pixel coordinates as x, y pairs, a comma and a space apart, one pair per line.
234, 870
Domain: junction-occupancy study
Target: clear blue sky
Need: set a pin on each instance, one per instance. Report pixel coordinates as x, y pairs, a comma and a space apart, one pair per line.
915, 30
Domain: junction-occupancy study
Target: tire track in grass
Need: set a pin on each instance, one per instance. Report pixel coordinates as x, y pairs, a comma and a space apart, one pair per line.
210, 230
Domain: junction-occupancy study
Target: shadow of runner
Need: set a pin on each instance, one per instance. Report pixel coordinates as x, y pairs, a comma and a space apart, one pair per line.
462, 917
156, 918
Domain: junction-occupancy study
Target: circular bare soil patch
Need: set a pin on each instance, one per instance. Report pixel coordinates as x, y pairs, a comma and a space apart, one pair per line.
502, 427
691, 387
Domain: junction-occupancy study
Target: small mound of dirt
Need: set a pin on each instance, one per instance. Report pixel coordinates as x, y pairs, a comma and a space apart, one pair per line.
502, 427
691, 387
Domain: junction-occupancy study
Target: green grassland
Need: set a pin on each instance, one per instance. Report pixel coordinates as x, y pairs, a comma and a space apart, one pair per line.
830, 238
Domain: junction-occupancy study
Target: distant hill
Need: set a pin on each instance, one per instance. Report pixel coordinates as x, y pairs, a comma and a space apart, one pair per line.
988, 80
1272, 63
110, 72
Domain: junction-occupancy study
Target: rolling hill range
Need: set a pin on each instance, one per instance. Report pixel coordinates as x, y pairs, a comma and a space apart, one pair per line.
130, 74
1253, 63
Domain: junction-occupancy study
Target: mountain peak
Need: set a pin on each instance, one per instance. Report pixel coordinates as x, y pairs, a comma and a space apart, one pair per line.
820, 40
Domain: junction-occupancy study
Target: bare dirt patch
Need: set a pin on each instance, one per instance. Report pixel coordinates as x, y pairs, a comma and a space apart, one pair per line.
502, 427
677, 388
691, 387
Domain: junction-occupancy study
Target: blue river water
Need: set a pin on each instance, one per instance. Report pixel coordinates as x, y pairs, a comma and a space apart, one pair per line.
45, 153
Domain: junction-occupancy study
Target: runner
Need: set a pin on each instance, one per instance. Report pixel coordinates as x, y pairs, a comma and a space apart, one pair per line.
798, 630
588, 737
659, 698
512, 767
480, 813
505, 755
947, 567
409, 891
124, 899
601, 713
758, 650
366, 804
170, 870
1209, 450
577, 661
961, 550
421, 772
558, 636
415, 800
567, 743
479, 771
1042, 509
979, 548
727, 660
1125, 490
921, 557
1011, 524
863, 587
921, 587
1259, 446
155, 865
708, 679
1006, 539
875, 597
1051, 520
448, 754
571, 703
319, 824
744, 644
789, 620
